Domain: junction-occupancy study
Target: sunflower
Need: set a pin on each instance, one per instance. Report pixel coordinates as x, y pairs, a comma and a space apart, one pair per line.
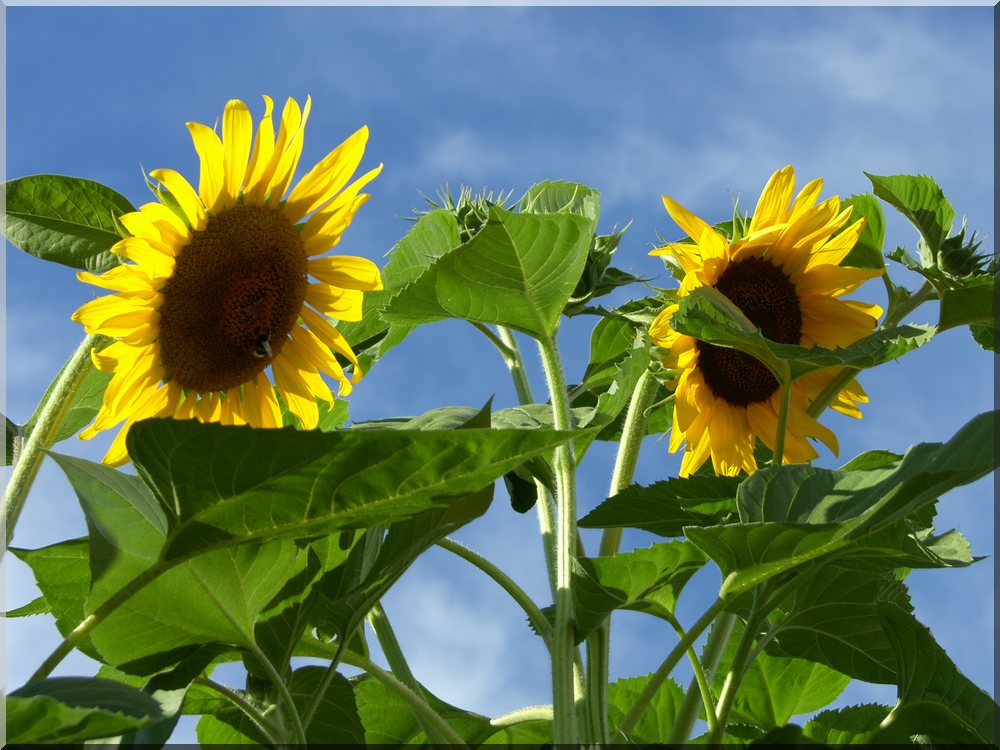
784, 275
218, 288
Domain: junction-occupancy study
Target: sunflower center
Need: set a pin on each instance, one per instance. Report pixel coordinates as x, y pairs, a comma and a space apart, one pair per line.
233, 298
767, 297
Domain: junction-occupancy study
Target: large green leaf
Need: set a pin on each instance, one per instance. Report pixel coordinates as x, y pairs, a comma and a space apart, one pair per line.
68, 220
336, 722
798, 515
435, 234
846, 726
708, 315
556, 196
348, 592
230, 485
645, 580
776, 688
666, 507
921, 201
935, 699
73, 709
972, 303
654, 725
867, 251
62, 572
518, 271
833, 619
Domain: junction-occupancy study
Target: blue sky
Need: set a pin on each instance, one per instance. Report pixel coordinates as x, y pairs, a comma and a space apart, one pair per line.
701, 104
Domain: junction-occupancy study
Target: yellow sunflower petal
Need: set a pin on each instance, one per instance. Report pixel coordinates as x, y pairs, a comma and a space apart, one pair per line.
255, 187
212, 158
347, 272
805, 200
330, 336
323, 229
772, 206
115, 311
293, 123
838, 247
326, 179
690, 223
125, 278
343, 304
295, 390
154, 260
311, 353
184, 194
833, 281
237, 131
834, 322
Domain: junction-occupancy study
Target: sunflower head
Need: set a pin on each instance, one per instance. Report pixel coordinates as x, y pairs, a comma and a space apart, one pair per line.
228, 283
784, 274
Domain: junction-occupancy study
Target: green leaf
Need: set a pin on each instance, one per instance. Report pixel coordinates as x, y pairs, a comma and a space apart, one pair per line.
846, 726
228, 727
68, 220
985, 336
799, 514
935, 699
867, 251
62, 572
336, 722
645, 580
86, 401
73, 709
558, 197
921, 201
37, 606
348, 592
389, 720
776, 688
657, 720
518, 271
231, 485
126, 523
833, 619
435, 234
666, 507
708, 315
973, 303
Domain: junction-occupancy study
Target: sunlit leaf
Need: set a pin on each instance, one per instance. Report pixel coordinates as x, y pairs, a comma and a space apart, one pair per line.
935, 699
518, 271
867, 251
68, 220
666, 507
657, 719
73, 709
921, 201
336, 721
846, 726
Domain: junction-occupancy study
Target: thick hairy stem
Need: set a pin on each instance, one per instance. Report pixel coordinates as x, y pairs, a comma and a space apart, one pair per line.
599, 642
565, 699
50, 418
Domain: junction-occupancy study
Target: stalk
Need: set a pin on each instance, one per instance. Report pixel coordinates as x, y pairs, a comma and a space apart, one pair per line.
51, 416
779, 439
565, 729
599, 642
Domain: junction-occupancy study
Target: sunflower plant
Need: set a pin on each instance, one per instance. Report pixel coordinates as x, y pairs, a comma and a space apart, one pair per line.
240, 517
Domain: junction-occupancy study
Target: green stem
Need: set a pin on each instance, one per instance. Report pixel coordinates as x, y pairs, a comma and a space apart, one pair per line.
699, 688
733, 679
52, 413
521, 715
656, 680
94, 619
504, 350
236, 698
565, 728
545, 506
779, 439
324, 685
519, 595
599, 642
415, 701
515, 363
291, 712
905, 307
400, 668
